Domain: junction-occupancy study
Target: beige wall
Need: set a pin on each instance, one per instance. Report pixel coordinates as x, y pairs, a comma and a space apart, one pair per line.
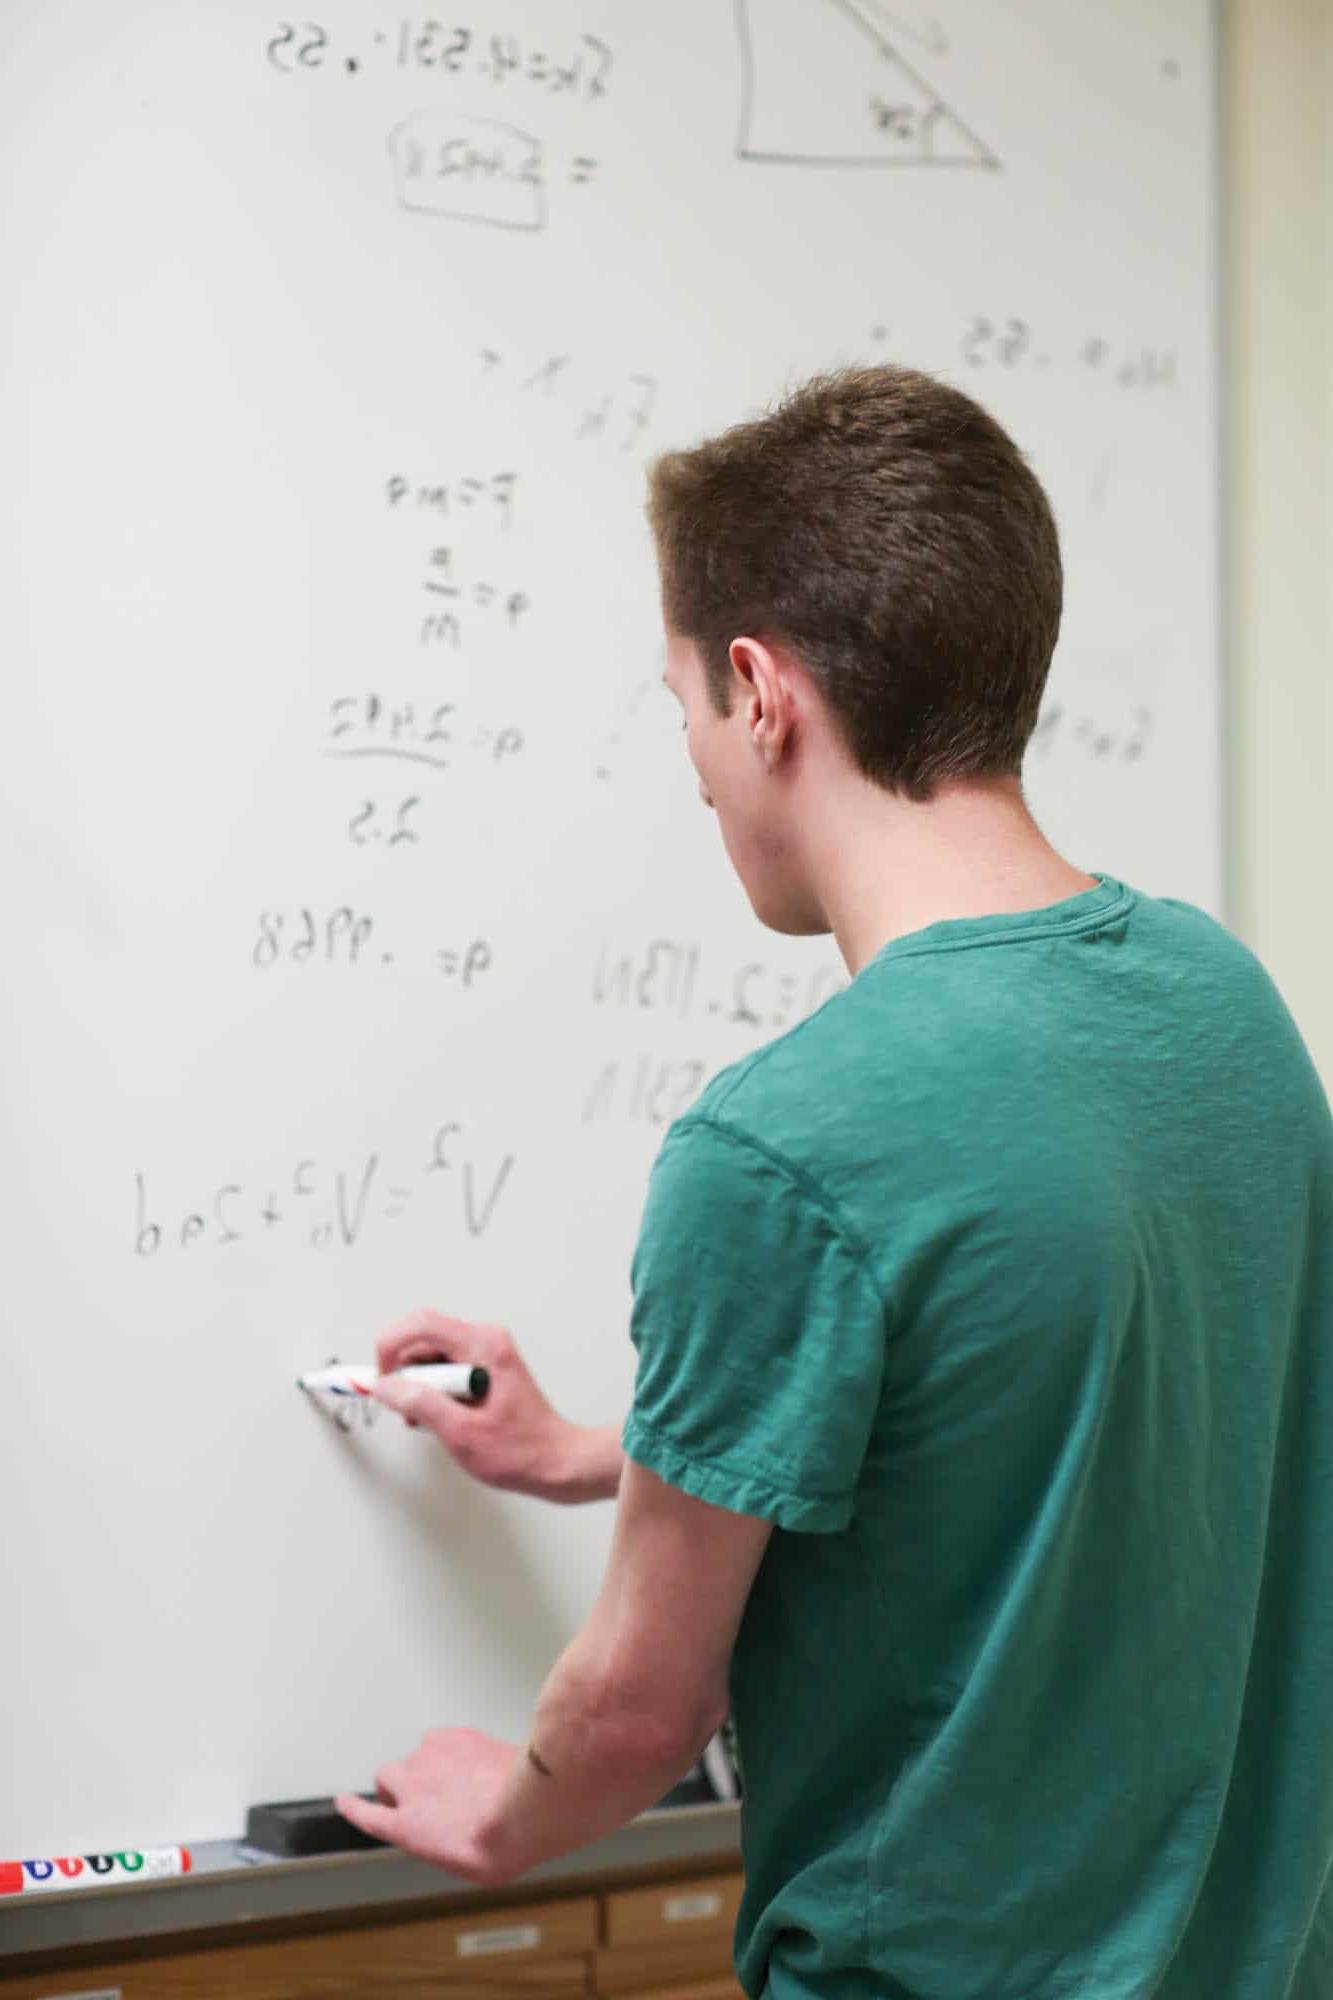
1278, 222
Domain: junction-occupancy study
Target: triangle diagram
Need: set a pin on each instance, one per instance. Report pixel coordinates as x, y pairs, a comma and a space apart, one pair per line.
822, 86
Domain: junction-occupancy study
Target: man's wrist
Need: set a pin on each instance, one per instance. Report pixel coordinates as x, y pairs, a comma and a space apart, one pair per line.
502, 1853
587, 1465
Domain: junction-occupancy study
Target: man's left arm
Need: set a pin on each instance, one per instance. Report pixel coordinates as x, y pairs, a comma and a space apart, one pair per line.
626, 1710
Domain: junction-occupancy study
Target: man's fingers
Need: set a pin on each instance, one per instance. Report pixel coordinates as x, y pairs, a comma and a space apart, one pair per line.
426, 1335
417, 1403
402, 1397
376, 1820
389, 1783
487, 1344
420, 1336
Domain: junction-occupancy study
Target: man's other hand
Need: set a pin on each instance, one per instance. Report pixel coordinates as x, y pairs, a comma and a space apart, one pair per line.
440, 1803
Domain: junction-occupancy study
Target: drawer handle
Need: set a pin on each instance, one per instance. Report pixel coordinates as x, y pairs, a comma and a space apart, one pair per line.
88, 1993
503, 1937
690, 1909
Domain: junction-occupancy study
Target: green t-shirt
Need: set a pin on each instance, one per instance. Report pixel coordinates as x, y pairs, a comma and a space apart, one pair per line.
1003, 1287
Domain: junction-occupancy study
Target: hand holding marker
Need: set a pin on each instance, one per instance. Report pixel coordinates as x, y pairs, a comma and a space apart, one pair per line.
510, 1438
455, 1378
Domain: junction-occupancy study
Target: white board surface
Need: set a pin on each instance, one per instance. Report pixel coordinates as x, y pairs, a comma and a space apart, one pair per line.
364, 927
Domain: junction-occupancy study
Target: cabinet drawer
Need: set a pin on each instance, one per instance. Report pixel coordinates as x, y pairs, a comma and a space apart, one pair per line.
704, 1906
624, 1970
541, 1949
711, 1989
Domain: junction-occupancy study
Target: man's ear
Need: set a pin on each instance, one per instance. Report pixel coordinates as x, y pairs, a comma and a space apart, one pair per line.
765, 696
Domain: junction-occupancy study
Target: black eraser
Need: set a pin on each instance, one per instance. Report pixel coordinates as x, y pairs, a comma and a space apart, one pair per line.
304, 1826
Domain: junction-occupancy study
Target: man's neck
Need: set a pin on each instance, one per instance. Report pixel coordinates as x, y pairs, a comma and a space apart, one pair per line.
884, 867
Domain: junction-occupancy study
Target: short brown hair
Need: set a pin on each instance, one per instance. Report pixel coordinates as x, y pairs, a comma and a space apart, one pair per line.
886, 529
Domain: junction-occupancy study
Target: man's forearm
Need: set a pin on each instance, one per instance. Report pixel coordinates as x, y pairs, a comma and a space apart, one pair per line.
589, 1466
593, 1761
628, 1707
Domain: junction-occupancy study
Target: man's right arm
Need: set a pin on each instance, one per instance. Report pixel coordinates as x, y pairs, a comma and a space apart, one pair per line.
513, 1440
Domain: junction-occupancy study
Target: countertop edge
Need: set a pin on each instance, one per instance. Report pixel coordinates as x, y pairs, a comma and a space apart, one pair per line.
227, 1890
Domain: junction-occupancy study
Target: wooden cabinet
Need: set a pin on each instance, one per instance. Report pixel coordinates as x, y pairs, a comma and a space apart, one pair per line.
711, 1989
703, 1906
649, 1972
670, 1937
529, 1953
659, 1940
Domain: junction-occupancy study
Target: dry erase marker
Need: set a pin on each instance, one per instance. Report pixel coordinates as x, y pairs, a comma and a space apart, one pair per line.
456, 1378
84, 1871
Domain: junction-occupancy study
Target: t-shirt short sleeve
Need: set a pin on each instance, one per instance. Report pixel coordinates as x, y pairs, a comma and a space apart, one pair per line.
759, 1331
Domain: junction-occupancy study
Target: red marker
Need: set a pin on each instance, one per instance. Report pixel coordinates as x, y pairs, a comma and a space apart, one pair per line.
86, 1871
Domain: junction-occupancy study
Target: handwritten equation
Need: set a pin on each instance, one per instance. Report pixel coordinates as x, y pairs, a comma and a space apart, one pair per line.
346, 938
458, 599
454, 160
450, 164
666, 976
450, 599
488, 496
643, 1090
459, 604
1012, 343
329, 1205
432, 733
421, 45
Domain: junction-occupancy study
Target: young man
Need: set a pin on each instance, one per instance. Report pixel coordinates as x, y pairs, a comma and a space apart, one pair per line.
981, 1453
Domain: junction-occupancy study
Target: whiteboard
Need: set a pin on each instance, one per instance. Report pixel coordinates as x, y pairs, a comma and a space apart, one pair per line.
365, 926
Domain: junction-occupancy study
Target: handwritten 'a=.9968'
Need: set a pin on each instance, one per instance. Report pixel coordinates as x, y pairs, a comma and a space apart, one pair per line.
346, 938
